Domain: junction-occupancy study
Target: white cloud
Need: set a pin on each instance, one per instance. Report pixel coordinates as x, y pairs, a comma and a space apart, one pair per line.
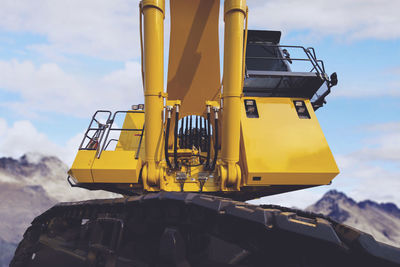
385, 146
110, 29
384, 127
99, 28
374, 170
22, 137
365, 90
364, 179
382, 83
357, 19
48, 88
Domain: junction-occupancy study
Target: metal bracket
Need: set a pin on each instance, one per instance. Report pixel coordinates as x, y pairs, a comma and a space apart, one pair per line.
202, 178
213, 104
181, 178
172, 103
163, 94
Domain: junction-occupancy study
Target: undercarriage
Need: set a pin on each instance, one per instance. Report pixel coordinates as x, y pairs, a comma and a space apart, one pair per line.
189, 229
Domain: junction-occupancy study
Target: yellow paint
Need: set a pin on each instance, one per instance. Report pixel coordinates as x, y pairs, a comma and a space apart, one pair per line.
193, 68
81, 168
192, 184
153, 13
119, 166
234, 14
116, 167
283, 149
173, 103
129, 140
214, 104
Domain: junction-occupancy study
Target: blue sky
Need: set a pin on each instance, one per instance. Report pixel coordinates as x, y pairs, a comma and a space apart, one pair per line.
60, 61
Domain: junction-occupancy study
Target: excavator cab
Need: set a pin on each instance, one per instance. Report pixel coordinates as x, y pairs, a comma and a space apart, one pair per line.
269, 72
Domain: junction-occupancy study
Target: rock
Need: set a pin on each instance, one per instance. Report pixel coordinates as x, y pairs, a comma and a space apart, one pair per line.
382, 220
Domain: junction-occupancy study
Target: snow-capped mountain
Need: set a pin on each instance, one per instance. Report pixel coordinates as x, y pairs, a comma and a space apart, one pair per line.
380, 220
48, 172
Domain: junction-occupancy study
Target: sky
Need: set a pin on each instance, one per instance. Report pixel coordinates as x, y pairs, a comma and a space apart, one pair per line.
60, 61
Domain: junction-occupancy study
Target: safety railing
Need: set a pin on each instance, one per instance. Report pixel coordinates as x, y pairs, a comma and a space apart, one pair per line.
97, 138
284, 54
94, 135
107, 141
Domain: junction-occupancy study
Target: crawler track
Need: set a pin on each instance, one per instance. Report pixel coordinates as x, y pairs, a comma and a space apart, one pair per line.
188, 229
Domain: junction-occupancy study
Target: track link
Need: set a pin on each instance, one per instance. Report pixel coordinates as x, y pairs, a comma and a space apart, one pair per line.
190, 229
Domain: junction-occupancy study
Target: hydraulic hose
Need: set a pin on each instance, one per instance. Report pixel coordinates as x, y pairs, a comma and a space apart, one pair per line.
197, 143
176, 137
187, 132
245, 47
208, 137
215, 140
190, 133
167, 138
141, 40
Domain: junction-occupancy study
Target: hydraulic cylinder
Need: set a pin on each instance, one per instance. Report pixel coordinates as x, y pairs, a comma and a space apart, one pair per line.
234, 15
153, 33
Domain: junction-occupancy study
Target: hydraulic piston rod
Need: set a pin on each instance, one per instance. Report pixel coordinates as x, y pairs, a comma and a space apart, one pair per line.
153, 13
234, 15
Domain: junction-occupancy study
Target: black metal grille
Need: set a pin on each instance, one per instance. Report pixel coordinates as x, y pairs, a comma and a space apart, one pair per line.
193, 132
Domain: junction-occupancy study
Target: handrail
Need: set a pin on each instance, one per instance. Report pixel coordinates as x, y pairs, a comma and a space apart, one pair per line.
110, 128
109, 141
140, 144
317, 64
90, 128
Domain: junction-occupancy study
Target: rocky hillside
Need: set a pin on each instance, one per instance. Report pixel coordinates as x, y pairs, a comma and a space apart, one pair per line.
29, 186
381, 220
48, 172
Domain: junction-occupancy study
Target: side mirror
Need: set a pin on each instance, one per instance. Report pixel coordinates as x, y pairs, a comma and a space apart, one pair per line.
333, 79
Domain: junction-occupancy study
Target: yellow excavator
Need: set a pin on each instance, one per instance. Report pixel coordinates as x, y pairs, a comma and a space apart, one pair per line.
186, 158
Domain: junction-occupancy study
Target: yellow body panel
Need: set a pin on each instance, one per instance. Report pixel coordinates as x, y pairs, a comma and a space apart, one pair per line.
283, 149
81, 168
129, 140
116, 167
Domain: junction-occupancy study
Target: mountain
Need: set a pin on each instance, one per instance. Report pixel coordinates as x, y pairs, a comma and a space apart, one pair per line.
380, 220
19, 205
29, 186
48, 172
